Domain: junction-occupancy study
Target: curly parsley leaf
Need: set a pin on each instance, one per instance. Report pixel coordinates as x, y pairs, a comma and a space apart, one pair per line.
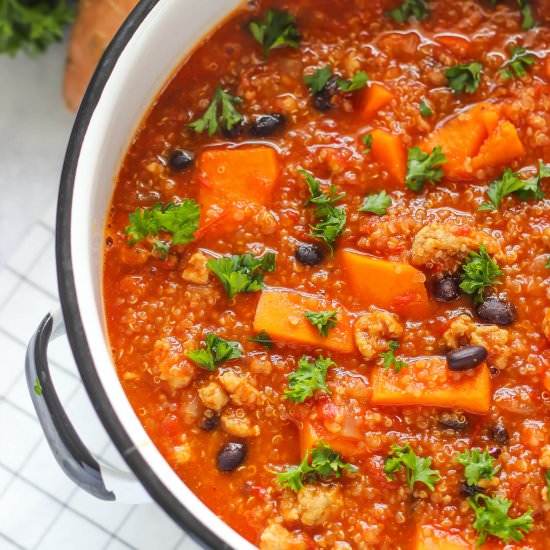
221, 113
547, 264
528, 20
324, 463
179, 220
216, 351
492, 519
358, 82
547, 478
323, 321
425, 109
277, 30
510, 183
37, 387
377, 203
423, 167
31, 27
332, 218
520, 60
477, 465
263, 339
367, 142
417, 468
242, 273
410, 8
317, 81
464, 78
478, 273
389, 359
308, 378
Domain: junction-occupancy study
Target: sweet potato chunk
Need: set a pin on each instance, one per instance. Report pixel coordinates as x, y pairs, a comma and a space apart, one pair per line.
280, 312
389, 285
500, 148
461, 138
428, 382
231, 179
373, 99
388, 150
435, 538
310, 435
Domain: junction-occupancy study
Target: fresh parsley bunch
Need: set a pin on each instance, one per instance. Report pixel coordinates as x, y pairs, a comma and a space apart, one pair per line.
31, 26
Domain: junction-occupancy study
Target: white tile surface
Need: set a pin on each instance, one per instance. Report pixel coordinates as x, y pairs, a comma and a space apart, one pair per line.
8, 282
43, 272
12, 358
34, 243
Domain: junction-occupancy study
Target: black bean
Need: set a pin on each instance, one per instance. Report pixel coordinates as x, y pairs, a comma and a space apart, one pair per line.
322, 100
495, 452
209, 420
470, 490
446, 289
266, 125
499, 433
466, 358
497, 311
453, 421
231, 456
235, 131
181, 159
309, 254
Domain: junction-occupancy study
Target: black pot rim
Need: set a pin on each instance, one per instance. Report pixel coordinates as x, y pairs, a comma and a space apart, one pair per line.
69, 304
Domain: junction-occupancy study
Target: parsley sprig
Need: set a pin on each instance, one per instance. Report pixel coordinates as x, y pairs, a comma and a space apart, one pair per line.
478, 273
317, 81
277, 30
263, 339
367, 142
477, 465
242, 272
464, 78
417, 468
308, 378
511, 184
332, 218
410, 8
424, 168
220, 114
31, 27
216, 351
389, 358
179, 220
528, 20
325, 463
323, 321
376, 203
520, 60
425, 109
492, 519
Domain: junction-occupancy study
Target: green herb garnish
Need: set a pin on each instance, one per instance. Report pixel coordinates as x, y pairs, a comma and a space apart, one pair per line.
332, 218
220, 114
423, 167
358, 82
478, 273
242, 273
477, 465
510, 183
464, 78
518, 63
263, 339
417, 468
317, 81
325, 463
277, 30
389, 358
410, 8
547, 478
308, 378
37, 387
216, 351
425, 109
179, 220
377, 203
367, 142
322, 320
528, 19
31, 26
492, 519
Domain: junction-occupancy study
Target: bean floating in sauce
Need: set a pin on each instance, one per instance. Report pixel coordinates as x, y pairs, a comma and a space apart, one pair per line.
310, 254
181, 159
497, 311
231, 456
446, 289
466, 358
266, 125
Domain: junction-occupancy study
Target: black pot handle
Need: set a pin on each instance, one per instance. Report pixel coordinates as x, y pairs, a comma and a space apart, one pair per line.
68, 449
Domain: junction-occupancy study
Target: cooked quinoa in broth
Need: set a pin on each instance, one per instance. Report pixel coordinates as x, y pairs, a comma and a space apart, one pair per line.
327, 273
